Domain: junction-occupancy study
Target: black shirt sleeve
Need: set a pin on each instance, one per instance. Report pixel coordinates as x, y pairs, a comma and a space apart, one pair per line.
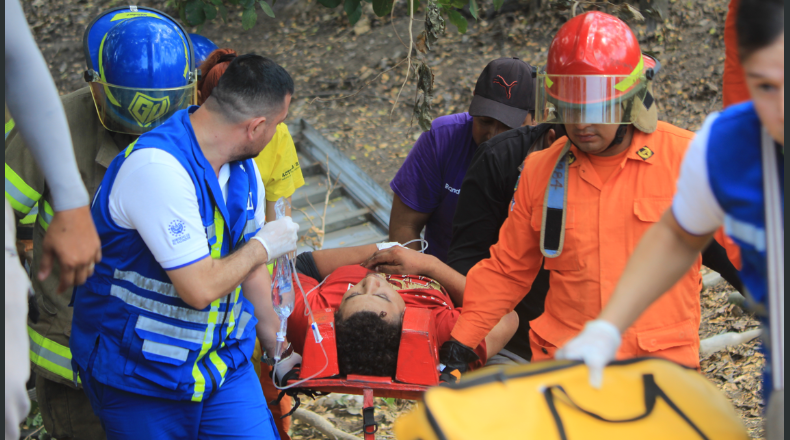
479, 213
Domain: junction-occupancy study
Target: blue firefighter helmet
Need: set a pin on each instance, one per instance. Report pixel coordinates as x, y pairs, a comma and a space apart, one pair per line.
140, 68
203, 47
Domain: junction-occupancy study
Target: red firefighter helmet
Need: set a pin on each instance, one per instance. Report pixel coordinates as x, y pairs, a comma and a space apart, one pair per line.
595, 70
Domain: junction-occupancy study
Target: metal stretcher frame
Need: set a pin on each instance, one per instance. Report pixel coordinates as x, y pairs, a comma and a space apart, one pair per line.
417, 362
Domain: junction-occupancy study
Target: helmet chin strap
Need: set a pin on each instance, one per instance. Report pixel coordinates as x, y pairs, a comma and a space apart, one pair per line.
618, 137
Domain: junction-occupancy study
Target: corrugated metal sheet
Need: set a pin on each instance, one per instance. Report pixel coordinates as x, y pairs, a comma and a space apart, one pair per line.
358, 209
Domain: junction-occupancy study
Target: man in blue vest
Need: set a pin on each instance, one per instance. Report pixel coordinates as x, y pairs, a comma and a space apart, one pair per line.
732, 175
164, 331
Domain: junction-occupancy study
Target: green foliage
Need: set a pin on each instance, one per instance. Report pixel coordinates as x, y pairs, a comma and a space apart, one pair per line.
330, 3
353, 10
458, 20
382, 7
248, 18
266, 8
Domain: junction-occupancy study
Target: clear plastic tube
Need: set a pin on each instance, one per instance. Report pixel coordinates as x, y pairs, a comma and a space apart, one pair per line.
282, 288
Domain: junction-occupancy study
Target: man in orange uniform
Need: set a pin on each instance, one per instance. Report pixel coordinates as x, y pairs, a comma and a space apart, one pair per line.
603, 186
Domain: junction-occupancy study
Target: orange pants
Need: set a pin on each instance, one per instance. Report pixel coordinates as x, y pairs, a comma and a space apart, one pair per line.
734, 81
271, 393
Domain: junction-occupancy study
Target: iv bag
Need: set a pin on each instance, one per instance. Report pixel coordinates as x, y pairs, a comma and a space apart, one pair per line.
282, 286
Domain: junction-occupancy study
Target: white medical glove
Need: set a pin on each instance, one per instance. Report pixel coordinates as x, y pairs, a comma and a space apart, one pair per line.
596, 345
278, 237
285, 366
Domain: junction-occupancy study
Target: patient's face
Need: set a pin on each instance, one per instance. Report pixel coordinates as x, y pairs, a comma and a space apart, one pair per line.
373, 294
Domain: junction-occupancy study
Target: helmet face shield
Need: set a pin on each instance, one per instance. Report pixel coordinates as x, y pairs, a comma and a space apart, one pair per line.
589, 99
136, 111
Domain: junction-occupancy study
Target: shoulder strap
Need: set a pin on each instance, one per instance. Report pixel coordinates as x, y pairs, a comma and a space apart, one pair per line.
774, 226
552, 227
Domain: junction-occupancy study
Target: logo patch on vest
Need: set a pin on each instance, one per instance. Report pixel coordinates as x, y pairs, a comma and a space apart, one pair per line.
145, 109
178, 229
571, 158
645, 153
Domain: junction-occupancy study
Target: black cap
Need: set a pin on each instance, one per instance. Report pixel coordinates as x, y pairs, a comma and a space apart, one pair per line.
504, 91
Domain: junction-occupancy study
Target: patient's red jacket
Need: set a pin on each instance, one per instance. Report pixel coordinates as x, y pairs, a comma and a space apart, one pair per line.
417, 291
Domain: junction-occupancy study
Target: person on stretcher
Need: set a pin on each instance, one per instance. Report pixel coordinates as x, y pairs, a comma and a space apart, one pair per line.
370, 290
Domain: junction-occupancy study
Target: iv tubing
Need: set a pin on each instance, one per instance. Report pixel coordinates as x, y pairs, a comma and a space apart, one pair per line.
309, 311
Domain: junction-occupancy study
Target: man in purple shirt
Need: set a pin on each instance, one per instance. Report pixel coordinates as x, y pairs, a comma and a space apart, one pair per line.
428, 184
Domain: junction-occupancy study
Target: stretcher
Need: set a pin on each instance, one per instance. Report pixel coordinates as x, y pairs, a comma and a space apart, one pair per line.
418, 360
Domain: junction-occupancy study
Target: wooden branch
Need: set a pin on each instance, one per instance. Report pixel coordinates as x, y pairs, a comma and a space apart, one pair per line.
321, 424
719, 342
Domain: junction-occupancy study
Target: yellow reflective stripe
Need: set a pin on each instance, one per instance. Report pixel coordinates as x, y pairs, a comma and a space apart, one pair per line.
200, 380
219, 228
30, 218
45, 216
222, 367
633, 77
186, 55
129, 149
549, 82
19, 194
125, 15
50, 355
270, 266
101, 73
9, 126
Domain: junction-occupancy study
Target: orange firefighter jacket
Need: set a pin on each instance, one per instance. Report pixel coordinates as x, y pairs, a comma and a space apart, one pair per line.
604, 223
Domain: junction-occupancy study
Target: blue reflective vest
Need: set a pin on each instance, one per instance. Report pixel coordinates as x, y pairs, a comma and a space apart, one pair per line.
129, 323
735, 172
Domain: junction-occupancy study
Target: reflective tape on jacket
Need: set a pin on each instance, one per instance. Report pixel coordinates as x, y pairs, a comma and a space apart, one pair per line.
159, 308
245, 318
50, 355
250, 227
746, 232
31, 216
19, 194
149, 284
45, 216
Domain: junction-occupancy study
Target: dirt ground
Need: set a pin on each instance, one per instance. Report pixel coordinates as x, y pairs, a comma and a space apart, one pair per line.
329, 59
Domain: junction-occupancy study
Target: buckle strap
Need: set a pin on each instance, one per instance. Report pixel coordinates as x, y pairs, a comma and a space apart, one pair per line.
555, 203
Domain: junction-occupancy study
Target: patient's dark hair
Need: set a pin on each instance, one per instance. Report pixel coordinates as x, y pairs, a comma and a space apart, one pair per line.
367, 344
758, 24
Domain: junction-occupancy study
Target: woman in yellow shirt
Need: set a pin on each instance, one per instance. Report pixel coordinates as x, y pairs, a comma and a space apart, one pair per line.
278, 163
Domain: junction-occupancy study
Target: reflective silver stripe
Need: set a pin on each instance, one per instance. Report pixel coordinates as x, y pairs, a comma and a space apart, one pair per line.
746, 232
237, 309
153, 306
33, 211
44, 215
245, 318
250, 227
211, 231
166, 350
20, 197
146, 283
184, 334
51, 356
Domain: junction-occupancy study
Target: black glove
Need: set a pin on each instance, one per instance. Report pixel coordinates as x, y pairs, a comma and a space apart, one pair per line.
456, 358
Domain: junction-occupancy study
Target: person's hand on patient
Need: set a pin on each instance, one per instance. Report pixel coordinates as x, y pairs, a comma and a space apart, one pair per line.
399, 260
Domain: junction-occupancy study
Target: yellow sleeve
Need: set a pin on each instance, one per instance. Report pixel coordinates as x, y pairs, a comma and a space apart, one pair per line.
279, 165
